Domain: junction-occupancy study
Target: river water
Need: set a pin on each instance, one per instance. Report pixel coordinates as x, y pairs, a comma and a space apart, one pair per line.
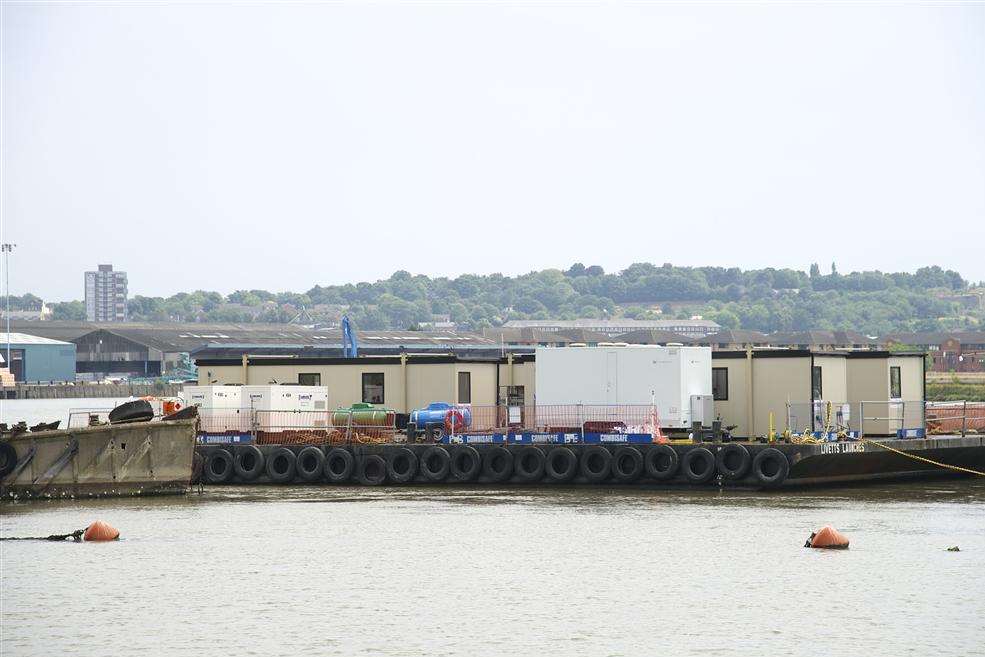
320, 570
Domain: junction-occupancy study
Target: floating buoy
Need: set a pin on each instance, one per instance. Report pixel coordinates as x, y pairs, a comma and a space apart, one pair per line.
827, 537
100, 531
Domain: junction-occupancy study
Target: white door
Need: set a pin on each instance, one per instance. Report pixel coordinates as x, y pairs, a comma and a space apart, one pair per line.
611, 377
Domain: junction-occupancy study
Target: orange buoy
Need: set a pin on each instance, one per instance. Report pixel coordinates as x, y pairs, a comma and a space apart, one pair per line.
827, 537
100, 531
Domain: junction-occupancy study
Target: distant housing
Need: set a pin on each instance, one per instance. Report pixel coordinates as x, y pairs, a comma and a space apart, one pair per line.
611, 327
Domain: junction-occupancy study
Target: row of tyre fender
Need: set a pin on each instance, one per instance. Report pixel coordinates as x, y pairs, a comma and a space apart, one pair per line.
529, 464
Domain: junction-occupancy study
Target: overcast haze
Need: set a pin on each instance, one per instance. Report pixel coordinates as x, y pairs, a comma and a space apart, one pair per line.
271, 146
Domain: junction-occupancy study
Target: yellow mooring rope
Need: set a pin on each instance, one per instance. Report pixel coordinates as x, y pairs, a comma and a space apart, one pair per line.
925, 460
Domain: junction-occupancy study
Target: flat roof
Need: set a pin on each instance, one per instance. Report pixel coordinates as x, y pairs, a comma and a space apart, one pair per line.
801, 353
434, 359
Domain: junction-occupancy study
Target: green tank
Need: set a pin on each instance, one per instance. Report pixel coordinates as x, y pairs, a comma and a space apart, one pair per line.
363, 415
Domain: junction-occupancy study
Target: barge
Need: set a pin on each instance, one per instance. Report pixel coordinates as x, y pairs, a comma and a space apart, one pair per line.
106, 460
545, 459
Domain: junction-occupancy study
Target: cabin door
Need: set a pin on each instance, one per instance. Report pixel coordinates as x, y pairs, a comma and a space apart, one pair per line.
611, 377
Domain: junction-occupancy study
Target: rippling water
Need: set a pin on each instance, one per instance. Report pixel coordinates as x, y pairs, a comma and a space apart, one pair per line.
427, 571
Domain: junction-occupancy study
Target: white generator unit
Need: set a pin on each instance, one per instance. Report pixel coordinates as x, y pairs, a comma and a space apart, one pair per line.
283, 408
219, 408
666, 377
285, 398
212, 397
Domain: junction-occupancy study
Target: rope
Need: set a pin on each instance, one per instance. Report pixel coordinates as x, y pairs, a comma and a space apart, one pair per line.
925, 460
75, 536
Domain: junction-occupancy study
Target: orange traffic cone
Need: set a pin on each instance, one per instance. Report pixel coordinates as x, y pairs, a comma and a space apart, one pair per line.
100, 531
827, 537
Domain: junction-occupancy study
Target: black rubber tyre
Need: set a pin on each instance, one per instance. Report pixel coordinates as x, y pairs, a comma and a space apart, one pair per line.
435, 463
698, 465
561, 464
528, 465
310, 463
248, 462
596, 463
281, 465
8, 459
371, 470
219, 466
466, 464
733, 461
138, 410
770, 467
661, 462
627, 464
497, 464
339, 465
401, 465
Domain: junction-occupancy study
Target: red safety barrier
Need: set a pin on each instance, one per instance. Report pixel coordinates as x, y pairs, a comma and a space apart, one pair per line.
569, 418
955, 417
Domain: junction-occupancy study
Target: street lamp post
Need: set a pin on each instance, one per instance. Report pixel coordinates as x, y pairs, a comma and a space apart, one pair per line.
7, 250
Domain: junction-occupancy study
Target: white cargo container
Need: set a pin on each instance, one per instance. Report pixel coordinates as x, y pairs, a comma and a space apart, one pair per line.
668, 377
212, 397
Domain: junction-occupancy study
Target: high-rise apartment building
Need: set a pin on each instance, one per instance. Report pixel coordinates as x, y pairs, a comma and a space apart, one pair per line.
106, 295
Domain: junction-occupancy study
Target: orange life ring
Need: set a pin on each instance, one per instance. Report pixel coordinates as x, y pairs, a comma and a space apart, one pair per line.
454, 420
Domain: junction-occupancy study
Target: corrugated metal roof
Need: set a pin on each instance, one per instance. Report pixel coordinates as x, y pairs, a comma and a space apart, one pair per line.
24, 339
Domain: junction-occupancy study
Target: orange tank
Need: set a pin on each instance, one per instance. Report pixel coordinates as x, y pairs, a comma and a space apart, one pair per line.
828, 538
100, 531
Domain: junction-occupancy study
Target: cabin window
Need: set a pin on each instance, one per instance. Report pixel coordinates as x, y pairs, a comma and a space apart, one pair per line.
464, 387
309, 379
817, 391
895, 385
373, 388
719, 383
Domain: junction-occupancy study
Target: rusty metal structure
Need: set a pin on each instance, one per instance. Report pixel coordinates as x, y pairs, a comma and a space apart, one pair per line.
140, 458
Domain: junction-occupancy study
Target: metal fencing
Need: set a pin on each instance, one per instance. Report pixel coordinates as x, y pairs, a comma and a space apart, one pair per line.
84, 417
955, 417
338, 427
884, 418
902, 418
576, 418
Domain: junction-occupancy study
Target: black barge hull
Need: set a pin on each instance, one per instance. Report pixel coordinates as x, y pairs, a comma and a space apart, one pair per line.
741, 465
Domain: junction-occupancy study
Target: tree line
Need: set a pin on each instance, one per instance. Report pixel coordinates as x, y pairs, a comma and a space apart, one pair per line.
766, 300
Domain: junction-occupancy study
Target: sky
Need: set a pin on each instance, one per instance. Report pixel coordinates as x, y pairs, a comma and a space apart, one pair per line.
227, 146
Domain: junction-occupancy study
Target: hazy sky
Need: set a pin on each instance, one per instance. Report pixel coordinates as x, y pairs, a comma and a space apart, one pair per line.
276, 146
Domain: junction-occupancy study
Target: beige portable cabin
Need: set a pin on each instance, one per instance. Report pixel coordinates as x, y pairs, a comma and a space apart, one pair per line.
807, 390
748, 385
400, 382
888, 390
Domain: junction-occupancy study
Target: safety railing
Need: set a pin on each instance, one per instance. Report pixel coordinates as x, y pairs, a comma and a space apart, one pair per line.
338, 427
818, 416
85, 417
957, 417
575, 418
908, 418
904, 418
